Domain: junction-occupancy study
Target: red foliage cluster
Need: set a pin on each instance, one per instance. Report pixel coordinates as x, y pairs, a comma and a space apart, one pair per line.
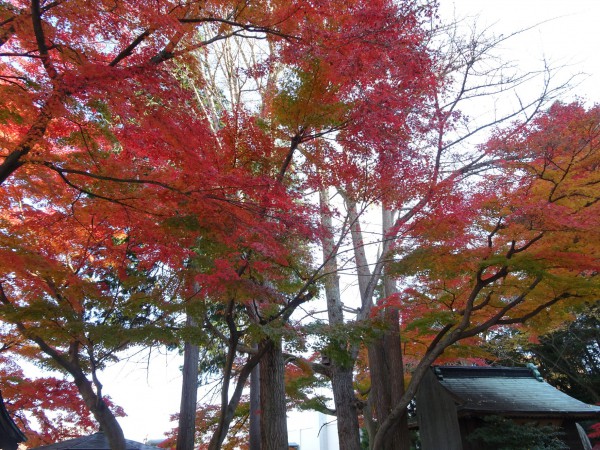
111, 169
47, 409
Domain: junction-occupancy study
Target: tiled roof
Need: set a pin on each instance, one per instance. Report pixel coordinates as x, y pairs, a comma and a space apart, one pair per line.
509, 391
96, 441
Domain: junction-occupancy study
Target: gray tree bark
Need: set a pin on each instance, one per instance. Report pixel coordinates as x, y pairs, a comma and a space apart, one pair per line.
342, 372
255, 434
273, 421
387, 380
189, 394
386, 364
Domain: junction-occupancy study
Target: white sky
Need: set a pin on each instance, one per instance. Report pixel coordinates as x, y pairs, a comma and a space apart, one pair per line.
568, 35
568, 38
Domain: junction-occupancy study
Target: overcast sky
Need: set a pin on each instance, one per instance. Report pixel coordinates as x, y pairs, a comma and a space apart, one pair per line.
568, 36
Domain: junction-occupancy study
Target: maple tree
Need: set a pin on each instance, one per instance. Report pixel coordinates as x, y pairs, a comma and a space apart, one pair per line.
159, 160
291, 111
71, 303
94, 129
516, 250
294, 105
298, 102
48, 404
419, 174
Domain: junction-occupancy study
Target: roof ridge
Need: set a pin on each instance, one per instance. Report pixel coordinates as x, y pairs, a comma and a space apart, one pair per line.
486, 371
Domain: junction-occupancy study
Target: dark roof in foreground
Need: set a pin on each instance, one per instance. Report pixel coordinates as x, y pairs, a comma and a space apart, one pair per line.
96, 441
509, 391
8, 426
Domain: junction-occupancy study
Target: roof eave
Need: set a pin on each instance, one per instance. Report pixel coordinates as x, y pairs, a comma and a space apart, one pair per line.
576, 415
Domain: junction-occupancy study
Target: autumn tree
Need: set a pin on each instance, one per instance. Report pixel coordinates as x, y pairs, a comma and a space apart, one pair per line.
92, 111
289, 114
424, 179
63, 292
140, 181
416, 165
46, 408
405, 162
96, 125
516, 251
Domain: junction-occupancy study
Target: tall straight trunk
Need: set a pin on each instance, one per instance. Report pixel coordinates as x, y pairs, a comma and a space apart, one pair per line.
342, 371
386, 364
273, 421
189, 394
387, 379
345, 407
255, 408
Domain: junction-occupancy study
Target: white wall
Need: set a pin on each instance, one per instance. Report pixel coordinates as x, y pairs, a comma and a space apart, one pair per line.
312, 430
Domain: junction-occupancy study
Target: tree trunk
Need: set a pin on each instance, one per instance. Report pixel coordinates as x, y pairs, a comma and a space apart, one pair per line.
106, 419
189, 394
342, 373
345, 407
386, 364
387, 380
255, 408
272, 399
228, 409
94, 402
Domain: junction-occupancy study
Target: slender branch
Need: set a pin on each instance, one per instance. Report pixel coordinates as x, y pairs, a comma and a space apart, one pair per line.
227, 371
120, 202
500, 314
246, 27
228, 408
34, 135
36, 17
294, 143
315, 367
62, 170
127, 51
534, 312
439, 336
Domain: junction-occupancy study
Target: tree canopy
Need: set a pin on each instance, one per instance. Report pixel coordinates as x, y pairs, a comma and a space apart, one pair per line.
222, 160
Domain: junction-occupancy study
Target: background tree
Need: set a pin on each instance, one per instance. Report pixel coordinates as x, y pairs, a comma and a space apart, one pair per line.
504, 434
567, 357
529, 256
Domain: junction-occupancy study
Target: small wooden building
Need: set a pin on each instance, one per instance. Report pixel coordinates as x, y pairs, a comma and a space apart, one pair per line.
96, 441
452, 401
10, 434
